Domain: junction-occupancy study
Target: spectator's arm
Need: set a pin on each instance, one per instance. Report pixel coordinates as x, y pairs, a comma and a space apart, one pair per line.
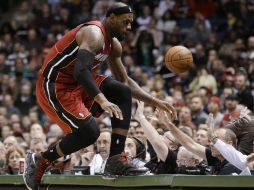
151, 133
232, 155
181, 137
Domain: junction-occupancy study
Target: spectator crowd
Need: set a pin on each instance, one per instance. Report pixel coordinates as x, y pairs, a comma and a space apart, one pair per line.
213, 94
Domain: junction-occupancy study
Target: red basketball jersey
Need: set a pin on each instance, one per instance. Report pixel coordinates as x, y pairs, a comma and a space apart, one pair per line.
59, 63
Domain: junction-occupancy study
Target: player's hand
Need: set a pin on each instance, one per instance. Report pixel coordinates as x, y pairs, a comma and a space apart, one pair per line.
112, 109
168, 108
163, 118
140, 111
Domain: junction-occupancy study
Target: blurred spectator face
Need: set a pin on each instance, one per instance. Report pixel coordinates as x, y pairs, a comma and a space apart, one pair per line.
178, 95
8, 38
17, 47
10, 141
51, 39
130, 148
25, 90
186, 158
213, 107
148, 111
26, 123
187, 130
55, 131
199, 49
64, 13
185, 114
251, 43
14, 118
12, 80
226, 137
146, 10
2, 59
170, 100
8, 101
240, 82
3, 120
5, 79
131, 131
45, 9
212, 55
13, 161
128, 61
239, 44
139, 133
159, 85
3, 110
32, 34
227, 91
201, 137
134, 124
13, 156
24, 7
196, 104
203, 94
170, 140
38, 145
217, 65
33, 116
103, 144
36, 129
2, 158
231, 104
6, 131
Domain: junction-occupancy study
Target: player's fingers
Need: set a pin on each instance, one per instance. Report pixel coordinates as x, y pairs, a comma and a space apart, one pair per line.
109, 111
116, 111
119, 112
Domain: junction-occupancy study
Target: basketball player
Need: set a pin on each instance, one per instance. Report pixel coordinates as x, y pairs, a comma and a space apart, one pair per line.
71, 93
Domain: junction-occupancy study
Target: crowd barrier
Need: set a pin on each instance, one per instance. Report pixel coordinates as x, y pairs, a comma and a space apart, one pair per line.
155, 182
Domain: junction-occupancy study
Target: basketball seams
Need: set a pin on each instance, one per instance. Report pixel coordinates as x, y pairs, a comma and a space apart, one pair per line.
178, 64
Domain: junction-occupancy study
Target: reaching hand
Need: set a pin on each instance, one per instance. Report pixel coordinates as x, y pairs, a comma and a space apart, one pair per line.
210, 123
112, 109
242, 119
164, 118
244, 114
140, 111
167, 107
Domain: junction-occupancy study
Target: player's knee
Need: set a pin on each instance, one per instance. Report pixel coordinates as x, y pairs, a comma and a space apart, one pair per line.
124, 92
90, 130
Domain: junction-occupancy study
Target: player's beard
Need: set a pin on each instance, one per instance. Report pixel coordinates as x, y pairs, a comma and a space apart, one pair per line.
119, 36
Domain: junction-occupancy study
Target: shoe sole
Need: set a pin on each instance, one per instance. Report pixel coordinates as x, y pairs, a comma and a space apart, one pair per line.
25, 166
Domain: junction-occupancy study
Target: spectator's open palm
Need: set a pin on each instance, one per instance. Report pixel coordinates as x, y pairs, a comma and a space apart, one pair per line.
140, 111
210, 124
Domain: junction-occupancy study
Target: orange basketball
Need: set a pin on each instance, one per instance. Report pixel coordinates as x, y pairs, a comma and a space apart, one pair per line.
178, 59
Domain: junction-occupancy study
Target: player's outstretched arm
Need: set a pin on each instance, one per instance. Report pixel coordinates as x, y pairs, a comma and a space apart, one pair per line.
118, 70
90, 40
